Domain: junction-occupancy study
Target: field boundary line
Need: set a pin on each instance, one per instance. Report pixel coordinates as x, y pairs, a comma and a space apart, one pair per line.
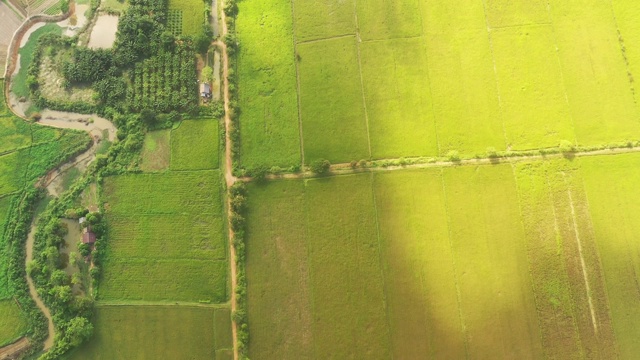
514, 26
295, 63
312, 299
455, 266
364, 98
525, 247
142, 303
623, 52
395, 38
582, 262
381, 263
495, 76
564, 83
336, 37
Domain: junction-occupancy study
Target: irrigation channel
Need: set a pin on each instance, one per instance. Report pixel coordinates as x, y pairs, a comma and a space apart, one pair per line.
99, 129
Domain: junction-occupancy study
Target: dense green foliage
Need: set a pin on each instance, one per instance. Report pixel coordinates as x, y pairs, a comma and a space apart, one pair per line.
139, 31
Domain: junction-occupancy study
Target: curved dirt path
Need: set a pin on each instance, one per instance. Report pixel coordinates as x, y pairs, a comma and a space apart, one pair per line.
13, 351
228, 173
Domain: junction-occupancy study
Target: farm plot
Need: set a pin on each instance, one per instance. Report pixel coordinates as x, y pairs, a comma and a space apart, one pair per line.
331, 101
381, 19
9, 23
595, 75
567, 276
12, 324
614, 202
167, 332
195, 145
156, 151
445, 258
401, 121
5, 207
15, 133
323, 19
170, 233
191, 18
627, 17
270, 134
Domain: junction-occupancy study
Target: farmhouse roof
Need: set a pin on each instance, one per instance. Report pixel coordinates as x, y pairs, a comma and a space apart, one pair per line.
82, 220
205, 88
88, 237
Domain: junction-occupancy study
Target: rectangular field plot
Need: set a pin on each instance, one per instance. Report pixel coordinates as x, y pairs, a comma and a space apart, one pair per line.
323, 19
333, 117
462, 78
195, 145
534, 104
269, 122
5, 208
15, 133
382, 19
156, 151
152, 332
164, 280
614, 199
507, 13
171, 232
398, 97
627, 16
12, 323
595, 73
191, 19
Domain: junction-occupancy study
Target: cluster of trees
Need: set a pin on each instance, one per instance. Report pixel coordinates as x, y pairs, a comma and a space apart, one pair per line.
89, 65
141, 30
165, 82
238, 194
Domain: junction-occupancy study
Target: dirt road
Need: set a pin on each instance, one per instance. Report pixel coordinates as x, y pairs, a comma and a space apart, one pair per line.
13, 351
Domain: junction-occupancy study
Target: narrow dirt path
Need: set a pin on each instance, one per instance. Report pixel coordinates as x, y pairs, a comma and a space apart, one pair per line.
13, 351
228, 172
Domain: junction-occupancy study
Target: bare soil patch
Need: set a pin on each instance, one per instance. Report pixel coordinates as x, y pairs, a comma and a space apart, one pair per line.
103, 35
13, 351
52, 85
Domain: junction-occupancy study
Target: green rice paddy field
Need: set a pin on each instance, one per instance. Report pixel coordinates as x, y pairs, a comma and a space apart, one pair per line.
159, 332
167, 239
346, 80
534, 259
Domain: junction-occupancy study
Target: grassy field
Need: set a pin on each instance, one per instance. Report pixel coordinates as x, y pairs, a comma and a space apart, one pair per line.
192, 15
267, 85
172, 231
195, 145
166, 332
5, 208
331, 103
12, 324
156, 151
615, 212
500, 75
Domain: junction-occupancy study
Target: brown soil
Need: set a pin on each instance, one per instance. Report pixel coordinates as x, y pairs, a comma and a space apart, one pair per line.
13, 351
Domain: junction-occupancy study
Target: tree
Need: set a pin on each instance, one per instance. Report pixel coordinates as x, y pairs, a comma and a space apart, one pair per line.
207, 74
320, 166
78, 330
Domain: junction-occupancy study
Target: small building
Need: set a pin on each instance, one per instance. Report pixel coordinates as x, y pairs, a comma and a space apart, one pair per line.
82, 220
88, 236
205, 90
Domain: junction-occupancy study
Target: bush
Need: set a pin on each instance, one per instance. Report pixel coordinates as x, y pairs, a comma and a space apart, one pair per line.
320, 166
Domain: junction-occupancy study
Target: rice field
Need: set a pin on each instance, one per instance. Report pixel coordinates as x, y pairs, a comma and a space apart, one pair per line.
195, 145
167, 243
503, 75
12, 323
156, 151
190, 20
167, 332
523, 260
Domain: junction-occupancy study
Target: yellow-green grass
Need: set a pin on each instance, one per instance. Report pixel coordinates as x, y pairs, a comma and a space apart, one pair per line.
222, 330
165, 280
12, 323
114, 5
496, 298
278, 245
345, 271
461, 76
533, 99
595, 74
270, 134
505, 13
192, 15
396, 87
627, 17
382, 19
13, 169
331, 101
171, 232
556, 220
15, 133
614, 201
3, 105
195, 145
418, 265
323, 19
156, 151
152, 332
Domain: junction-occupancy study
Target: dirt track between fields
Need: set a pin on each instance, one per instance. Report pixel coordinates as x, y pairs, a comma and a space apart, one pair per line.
13, 351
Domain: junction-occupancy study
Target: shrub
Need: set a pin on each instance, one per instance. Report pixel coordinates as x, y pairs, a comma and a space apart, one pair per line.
320, 166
